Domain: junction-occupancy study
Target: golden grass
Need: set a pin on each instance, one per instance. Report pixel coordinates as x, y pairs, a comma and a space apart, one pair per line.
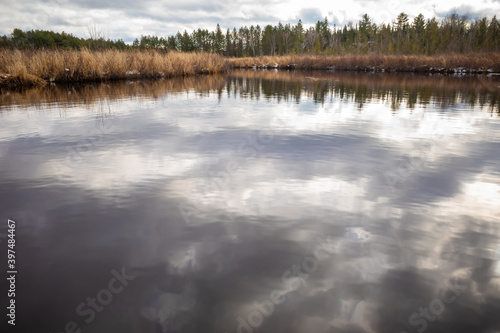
36, 68
382, 81
31, 68
476, 63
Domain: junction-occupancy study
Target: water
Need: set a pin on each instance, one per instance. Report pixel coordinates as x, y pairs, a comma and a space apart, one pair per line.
255, 202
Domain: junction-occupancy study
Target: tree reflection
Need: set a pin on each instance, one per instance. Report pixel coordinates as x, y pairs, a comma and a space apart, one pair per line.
400, 90
407, 91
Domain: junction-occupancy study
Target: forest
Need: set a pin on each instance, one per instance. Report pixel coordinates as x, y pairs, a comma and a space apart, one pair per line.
419, 36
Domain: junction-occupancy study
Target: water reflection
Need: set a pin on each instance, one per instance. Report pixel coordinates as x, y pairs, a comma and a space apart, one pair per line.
92, 93
257, 202
400, 90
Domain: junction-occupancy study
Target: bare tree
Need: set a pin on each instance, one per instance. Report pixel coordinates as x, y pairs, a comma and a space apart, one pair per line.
96, 34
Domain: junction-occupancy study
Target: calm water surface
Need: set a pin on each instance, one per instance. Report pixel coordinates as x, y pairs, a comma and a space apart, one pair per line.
254, 202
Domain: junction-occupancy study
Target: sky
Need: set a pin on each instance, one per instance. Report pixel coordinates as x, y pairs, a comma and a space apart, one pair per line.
129, 19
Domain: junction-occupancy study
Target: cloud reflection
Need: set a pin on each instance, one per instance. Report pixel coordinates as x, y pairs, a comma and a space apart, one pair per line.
261, 202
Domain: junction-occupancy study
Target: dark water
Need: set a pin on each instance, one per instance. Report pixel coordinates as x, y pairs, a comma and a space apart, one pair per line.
254, 202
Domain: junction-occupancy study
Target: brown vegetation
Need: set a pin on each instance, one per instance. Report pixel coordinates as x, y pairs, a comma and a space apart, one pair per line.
469, 63
380, 82
32, 68
37, 67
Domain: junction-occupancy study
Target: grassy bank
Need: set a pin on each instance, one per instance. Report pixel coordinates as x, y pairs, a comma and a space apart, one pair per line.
448, 63
35, 68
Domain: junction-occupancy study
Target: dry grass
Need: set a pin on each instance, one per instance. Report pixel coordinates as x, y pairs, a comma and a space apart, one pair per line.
35, 68
31, 68
381, 81
476, 63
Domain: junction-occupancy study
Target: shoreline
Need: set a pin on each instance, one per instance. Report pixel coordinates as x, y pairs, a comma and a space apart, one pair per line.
376, 69
25, 69
476, 63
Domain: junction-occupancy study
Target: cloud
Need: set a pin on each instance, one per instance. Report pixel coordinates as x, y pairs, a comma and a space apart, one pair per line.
310, 15
468, 11
130, 19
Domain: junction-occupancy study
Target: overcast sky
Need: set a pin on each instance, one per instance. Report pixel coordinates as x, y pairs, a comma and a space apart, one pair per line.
128, 19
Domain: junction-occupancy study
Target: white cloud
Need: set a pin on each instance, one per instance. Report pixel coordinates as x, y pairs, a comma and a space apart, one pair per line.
128, 19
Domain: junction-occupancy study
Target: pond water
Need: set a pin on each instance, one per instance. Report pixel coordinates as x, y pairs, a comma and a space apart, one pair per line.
258, 201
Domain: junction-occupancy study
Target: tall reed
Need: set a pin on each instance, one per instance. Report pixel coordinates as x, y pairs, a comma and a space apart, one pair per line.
477, 62
30, 68
37, 67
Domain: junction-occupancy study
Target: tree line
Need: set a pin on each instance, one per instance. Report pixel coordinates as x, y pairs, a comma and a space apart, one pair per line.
454, 33
44, 39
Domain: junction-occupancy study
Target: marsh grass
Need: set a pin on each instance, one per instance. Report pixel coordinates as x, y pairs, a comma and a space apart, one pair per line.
382, 81
35, 68
471, 63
